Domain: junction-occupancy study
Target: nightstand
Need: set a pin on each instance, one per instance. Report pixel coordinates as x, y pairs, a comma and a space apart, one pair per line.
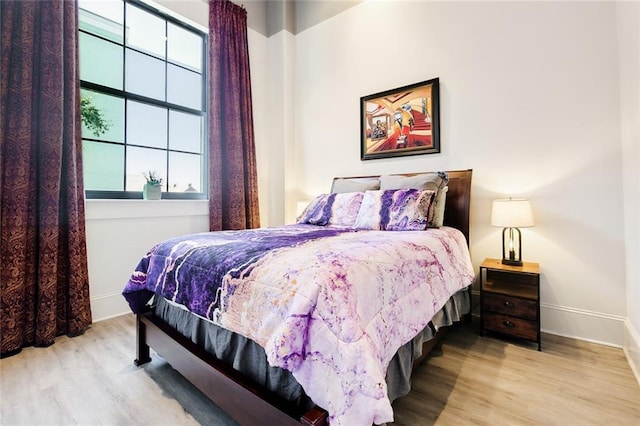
510, 300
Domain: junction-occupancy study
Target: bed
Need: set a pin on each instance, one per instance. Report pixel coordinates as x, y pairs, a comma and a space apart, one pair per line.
297, 305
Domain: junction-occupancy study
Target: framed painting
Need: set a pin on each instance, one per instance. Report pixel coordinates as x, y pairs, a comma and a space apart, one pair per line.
402, 121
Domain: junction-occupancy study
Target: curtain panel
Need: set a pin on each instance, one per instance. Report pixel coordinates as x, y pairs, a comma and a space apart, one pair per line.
233, 188
44, 276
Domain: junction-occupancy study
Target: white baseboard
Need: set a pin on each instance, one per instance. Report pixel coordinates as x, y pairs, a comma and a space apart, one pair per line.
610, 330
632, 348
108, 306
581, 324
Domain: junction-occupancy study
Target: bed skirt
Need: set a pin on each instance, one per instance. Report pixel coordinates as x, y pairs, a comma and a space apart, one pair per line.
249, 358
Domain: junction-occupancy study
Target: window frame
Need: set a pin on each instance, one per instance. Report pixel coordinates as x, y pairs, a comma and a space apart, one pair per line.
129, 96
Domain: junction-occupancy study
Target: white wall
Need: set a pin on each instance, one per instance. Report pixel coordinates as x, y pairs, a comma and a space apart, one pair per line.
529, 101
275, 140
628, 15
121, 232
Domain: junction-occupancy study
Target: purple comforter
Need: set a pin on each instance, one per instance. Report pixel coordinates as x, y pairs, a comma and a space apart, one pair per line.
330, 305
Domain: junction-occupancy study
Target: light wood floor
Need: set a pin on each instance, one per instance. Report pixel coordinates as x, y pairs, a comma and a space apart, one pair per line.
91, 380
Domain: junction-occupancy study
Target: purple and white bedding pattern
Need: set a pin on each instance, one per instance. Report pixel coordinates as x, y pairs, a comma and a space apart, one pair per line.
333, 209
395, 210
330, 305
190, 269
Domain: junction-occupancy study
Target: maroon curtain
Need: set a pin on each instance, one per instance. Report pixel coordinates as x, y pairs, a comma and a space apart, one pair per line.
44, 278
233, 187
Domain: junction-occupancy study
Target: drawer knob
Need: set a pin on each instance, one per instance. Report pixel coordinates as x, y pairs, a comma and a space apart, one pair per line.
508, 323
508, 304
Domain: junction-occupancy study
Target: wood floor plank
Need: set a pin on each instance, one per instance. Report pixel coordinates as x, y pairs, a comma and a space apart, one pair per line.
467, 380
486, 381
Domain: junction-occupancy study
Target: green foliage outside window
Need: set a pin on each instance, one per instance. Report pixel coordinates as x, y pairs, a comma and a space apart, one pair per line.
92, 117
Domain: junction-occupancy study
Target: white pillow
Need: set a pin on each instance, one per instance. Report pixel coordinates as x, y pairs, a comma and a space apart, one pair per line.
441, 200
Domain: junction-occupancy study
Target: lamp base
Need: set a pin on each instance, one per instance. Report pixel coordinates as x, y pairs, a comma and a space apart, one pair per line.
511, 262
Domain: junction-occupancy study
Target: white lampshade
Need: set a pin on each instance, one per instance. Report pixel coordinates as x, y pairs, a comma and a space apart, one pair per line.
512, 213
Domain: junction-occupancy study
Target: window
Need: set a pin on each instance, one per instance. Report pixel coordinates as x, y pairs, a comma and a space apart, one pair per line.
144, 72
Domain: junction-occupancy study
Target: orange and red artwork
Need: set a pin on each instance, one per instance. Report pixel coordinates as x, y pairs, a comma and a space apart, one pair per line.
403, 121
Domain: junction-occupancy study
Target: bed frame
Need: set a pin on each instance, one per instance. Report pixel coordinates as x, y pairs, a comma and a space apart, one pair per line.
244, 401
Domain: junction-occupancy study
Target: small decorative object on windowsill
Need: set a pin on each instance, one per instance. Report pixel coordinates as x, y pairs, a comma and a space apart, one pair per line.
511, 214
152, 190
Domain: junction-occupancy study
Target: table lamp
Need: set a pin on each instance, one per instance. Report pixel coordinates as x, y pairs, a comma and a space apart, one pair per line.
511, 214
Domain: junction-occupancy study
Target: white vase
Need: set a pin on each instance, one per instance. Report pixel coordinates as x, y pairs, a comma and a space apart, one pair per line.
151, 192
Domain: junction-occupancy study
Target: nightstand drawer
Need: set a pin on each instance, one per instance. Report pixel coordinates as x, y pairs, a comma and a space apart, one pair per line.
511, 277
512, 326
512, 306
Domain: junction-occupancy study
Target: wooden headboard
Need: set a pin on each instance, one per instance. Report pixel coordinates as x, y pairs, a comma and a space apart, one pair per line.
457, 207
456, 213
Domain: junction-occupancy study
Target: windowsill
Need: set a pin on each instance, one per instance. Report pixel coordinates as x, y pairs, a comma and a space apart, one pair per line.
97, 209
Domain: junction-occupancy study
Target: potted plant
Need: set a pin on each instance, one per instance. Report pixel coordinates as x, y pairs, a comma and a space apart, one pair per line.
152, 190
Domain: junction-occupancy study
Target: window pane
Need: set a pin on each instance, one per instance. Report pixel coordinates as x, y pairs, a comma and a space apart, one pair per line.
184, 47
185, 131
103, 165
112, 109
184, 172
145, 75
146, 125
184, 87
100, 61
143, 160
145, 31
104, 18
